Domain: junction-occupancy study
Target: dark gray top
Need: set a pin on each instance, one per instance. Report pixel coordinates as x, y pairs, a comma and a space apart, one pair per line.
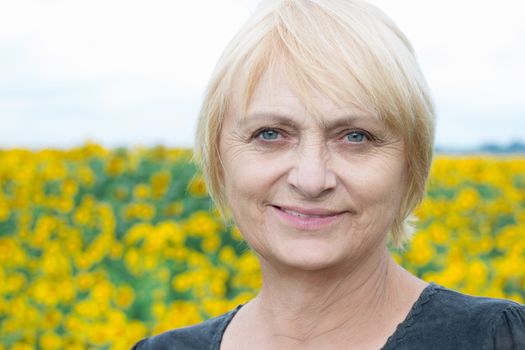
440, 319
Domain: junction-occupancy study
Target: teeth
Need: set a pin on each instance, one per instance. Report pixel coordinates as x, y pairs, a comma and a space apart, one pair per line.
302, 215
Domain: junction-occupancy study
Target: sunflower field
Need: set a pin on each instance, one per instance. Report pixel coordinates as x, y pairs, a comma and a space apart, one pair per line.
99, 248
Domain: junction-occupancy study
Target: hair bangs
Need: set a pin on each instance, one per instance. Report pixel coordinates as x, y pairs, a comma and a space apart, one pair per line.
348, 50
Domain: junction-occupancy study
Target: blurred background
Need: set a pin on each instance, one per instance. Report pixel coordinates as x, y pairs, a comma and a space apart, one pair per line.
122, 73
107, 234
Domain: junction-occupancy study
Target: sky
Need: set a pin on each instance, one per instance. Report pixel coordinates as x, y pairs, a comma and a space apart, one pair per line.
128, 72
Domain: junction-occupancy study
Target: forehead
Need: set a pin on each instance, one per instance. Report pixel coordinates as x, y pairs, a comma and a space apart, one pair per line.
276, 94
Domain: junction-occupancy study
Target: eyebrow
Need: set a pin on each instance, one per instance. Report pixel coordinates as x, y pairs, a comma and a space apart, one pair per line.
283, 119
271, 117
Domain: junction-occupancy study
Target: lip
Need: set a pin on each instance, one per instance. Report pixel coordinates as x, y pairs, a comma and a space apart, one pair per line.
307, 219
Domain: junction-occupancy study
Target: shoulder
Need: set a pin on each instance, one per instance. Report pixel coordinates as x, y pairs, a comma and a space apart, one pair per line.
205, 335
444, 318
496, 323
467, 307
509, 328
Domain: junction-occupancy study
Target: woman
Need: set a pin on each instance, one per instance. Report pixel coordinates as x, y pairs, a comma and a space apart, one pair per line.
316, 136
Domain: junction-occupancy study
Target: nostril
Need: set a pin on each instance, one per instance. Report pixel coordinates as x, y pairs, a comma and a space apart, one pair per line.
312, 180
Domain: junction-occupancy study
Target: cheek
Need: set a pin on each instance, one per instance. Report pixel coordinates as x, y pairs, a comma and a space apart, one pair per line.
249, 176
375, 183
247, 188
387, 183
241, 182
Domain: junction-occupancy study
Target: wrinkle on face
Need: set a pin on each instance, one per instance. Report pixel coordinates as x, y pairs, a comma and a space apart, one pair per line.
312, 165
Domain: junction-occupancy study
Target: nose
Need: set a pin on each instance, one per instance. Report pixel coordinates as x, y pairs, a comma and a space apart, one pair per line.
311, 175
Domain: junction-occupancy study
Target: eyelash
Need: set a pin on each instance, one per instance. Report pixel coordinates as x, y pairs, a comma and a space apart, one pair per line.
258, 134
366, 135
280, 134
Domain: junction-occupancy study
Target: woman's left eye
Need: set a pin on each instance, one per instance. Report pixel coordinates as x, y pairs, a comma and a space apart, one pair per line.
356, 137
268, 134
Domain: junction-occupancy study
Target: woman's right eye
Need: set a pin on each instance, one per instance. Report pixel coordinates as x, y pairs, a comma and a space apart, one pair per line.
268, 134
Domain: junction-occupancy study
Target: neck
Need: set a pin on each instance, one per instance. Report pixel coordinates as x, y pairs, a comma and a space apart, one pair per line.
302, 307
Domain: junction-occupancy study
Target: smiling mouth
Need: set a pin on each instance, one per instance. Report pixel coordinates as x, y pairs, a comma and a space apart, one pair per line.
315, 213
307, 219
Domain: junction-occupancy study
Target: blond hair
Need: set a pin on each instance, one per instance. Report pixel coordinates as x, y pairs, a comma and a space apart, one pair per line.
347, 49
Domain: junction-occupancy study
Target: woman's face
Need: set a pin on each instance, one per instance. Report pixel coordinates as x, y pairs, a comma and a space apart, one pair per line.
310, 191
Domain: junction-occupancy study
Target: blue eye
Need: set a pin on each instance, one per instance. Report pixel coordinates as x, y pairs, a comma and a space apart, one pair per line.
269, 134
355, 136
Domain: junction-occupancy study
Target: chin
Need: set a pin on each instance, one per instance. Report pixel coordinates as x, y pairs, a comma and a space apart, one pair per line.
308, 255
